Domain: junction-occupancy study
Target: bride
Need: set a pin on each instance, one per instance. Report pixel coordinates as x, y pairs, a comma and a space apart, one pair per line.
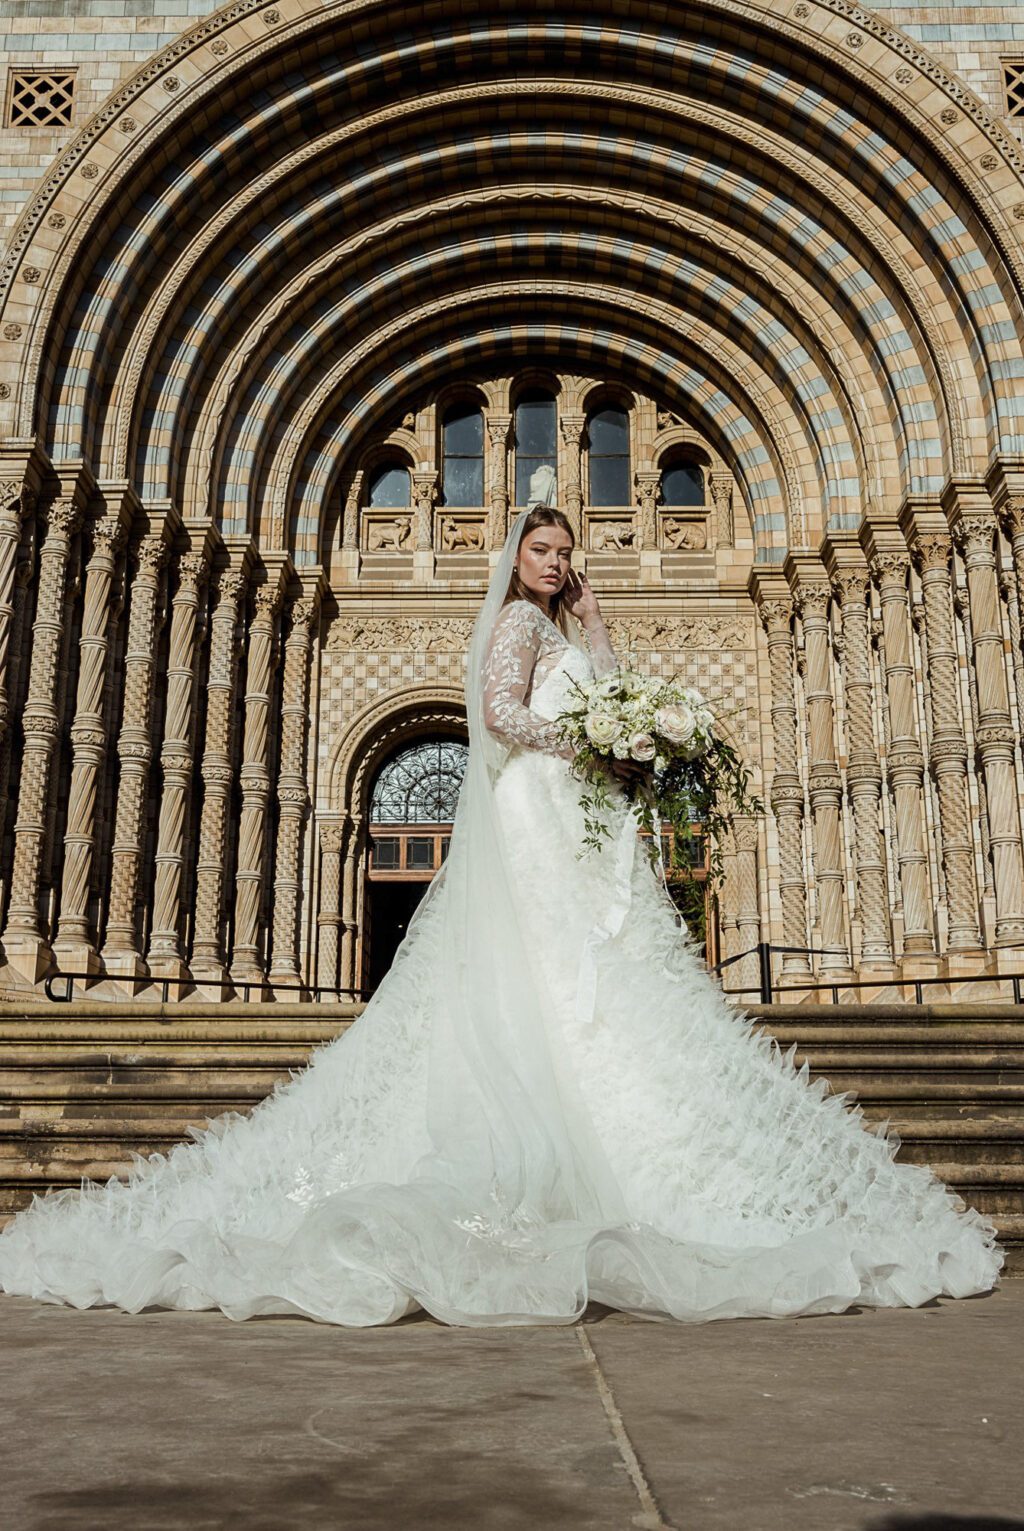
546, 1102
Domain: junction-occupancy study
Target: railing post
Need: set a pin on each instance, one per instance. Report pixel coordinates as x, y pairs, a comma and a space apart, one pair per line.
764, 960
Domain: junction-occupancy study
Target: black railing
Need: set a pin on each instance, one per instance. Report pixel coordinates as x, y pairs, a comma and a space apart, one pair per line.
227, 987
766, 986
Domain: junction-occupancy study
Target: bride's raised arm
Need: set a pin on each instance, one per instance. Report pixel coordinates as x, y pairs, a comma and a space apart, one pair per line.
515, 649
584, 607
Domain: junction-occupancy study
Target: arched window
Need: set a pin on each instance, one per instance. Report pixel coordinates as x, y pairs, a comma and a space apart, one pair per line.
462, 474
389, 486
535, 438
608, 434
420, 784
682, 484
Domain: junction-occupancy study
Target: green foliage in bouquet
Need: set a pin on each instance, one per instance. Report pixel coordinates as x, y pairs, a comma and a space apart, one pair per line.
682, 772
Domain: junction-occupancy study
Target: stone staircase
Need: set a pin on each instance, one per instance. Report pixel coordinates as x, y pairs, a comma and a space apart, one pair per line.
86, 1085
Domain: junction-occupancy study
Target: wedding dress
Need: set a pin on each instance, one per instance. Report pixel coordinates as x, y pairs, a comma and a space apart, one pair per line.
546, 1102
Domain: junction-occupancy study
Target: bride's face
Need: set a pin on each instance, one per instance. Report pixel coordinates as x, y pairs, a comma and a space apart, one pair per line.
545, 558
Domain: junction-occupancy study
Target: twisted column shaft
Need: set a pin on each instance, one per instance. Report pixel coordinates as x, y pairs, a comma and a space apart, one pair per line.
292, 795
863, 772
41, 723
995, 736
572, 496
14, 501
786, 793
176, 758
498, 430
88, 738
246, 964
135, 750
207, 947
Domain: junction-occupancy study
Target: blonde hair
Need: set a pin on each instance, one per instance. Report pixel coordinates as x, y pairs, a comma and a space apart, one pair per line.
542, 515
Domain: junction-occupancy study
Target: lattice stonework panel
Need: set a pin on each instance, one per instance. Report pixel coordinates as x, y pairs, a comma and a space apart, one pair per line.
41, 98
1013, 85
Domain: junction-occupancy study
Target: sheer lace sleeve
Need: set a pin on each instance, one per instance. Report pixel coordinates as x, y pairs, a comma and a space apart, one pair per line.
516, 645
602, 655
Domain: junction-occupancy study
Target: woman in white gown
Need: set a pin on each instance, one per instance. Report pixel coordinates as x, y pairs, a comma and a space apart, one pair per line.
547, 1100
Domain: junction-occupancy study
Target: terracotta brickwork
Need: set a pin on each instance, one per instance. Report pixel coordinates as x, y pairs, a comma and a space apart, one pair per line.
776, 254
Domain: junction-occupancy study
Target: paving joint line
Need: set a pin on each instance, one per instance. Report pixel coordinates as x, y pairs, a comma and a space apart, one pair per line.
650, 1518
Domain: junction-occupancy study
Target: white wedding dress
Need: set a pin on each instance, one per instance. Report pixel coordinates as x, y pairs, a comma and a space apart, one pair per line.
573, 1112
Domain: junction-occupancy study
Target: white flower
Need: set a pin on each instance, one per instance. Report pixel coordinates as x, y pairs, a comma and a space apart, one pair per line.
620, 749
660, 762
705, 718
692, 697
676, 722
642, 747
602, 729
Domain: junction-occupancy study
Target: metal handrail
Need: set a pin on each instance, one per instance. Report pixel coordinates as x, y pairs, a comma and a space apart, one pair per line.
229, 986
766, 987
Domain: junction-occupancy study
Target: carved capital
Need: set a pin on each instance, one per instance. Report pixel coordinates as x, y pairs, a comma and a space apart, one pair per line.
424, 490
267, 601
230, 585
973, 535
1012, 516
193, 570
62, 518
890, 569
330, 839
850, 586
15, 499
572, 429
303, 613
933, 551
109, 535
150, 556
648, 490
811, 599
499, 428
776, 615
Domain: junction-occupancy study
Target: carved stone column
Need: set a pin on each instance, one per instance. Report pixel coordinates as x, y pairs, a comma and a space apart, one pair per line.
350, 894
17, 663
786, 793
905, 760
246, 963
424, 494
863, 771
499, 428
932, 554
292, 795
748, 915
350, 521
23, 939
728, 927
15, 500
121, 952
74, 944
974, 534
648, 488
572, 427
812, 597
329, 917
176, 758
207, 947
721, 497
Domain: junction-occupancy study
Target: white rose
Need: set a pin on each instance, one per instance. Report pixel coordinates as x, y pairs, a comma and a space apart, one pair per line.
642, 747
676, 722
602, 729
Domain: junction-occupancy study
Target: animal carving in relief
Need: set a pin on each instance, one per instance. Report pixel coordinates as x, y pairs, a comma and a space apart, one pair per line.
462, 536
389, 536
619, 535
683, 535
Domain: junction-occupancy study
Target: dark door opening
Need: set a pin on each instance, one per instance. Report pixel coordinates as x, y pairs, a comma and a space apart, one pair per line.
392, 906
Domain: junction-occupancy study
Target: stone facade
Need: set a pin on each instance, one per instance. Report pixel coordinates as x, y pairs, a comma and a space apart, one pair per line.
280, 246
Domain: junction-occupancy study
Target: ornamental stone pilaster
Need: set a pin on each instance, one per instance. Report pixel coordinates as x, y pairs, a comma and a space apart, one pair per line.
572, 427
332, 833
424, 495
748, 915
350, 517
23, 937
15, 502
728, 926
247, 960
988, 891
720, 485
786, 793
811, 598
18, 660
974, 533
176, 760
863, 772
905, 758
932, 554
208, 959
648, 489
292, 794
349, 901
499, 429
74, 941
121, 953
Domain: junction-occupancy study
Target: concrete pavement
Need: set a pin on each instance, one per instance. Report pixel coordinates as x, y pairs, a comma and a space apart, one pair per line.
869, 1421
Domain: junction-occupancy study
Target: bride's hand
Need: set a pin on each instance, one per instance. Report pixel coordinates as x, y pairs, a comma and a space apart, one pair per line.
630, 770
580, 598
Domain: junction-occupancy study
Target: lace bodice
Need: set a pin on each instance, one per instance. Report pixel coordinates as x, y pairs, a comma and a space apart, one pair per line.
526, 647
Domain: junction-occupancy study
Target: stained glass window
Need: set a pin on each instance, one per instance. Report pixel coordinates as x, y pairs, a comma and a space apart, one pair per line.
462, 478
420, 784
608, 434
535, 439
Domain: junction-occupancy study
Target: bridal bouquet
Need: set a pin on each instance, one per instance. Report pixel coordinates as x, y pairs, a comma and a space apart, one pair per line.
684, 773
